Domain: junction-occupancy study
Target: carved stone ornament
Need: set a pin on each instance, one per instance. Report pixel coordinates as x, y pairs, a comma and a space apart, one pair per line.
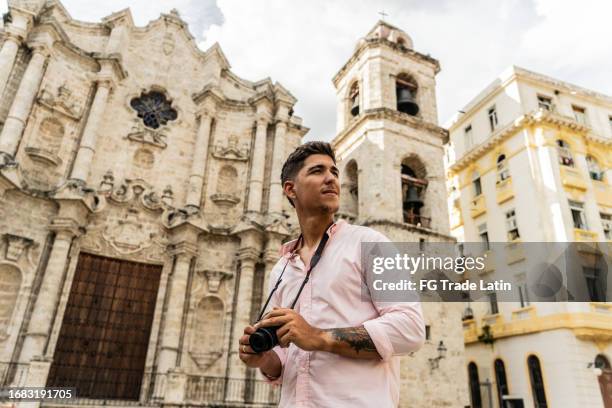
142, 134
16, 246
168, 44
214, 278
42, 155
225, 200
61, 101
205, 360
130, 234
135, 191
232, 150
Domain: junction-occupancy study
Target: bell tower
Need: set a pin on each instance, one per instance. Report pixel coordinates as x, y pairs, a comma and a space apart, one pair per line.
388, 137
390, 153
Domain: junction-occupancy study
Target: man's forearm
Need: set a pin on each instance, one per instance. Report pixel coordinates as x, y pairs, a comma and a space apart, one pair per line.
353, 342
271, 365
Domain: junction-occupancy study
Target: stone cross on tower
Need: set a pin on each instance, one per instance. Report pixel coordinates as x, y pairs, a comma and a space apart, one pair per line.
382, 14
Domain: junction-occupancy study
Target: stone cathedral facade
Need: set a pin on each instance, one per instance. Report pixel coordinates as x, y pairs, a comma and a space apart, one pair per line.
141, 209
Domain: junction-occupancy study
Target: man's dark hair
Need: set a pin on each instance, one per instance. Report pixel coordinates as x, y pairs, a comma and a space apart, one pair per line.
295, 161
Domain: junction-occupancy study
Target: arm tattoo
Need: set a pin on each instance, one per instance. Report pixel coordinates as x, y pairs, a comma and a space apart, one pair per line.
356, 337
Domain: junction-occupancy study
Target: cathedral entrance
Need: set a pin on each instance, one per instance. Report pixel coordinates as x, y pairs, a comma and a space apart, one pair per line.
104, 337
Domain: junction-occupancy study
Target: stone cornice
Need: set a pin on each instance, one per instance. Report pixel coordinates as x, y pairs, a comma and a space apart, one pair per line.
208, 94
391, 114
183, 248
537, 117
114, 62
248, 254
62, 41
119, 17
65, 225
374, 43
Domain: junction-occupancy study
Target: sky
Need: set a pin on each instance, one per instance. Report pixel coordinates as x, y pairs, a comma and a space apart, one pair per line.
302, 44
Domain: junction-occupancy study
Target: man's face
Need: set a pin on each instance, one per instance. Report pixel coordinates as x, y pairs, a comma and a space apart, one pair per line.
316, 187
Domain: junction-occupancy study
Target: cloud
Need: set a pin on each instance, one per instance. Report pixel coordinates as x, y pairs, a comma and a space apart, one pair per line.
199, 14
302, 44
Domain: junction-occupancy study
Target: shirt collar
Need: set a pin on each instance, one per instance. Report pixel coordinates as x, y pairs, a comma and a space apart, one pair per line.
288, 249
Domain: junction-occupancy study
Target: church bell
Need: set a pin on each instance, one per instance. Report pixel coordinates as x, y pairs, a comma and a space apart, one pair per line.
412, 199
355, 107
406, 102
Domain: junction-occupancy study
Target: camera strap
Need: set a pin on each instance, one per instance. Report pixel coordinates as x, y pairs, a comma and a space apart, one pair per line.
316, 257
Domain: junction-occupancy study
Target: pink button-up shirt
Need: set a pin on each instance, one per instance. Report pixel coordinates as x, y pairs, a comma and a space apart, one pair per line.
332, 299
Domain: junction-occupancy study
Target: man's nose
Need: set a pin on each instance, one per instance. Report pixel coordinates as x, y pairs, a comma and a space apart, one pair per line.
330, 178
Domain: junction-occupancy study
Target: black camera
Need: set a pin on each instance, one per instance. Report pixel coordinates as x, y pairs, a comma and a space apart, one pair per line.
264, 339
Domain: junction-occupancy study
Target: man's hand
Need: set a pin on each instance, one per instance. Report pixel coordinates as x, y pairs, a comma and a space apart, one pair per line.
246, 353
294, 329
268, 362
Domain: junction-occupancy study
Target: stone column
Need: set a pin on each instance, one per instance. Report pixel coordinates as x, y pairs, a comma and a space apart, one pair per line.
8, 53
198, 165
171, 334
84, 157
248, 257
39, 326
271, 257
257, 166
22, 104
276, 189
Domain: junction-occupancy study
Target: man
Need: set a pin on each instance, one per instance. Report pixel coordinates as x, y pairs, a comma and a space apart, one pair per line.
335, 349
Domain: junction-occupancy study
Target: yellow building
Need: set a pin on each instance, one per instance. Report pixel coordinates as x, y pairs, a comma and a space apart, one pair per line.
529, 161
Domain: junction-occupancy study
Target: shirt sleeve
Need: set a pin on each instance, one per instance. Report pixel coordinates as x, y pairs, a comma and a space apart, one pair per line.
400, 327
274, 302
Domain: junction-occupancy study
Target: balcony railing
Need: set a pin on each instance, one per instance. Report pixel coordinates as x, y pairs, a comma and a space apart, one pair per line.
178, 388
218, 390
571, 177
416, 219
478, 206
505, 191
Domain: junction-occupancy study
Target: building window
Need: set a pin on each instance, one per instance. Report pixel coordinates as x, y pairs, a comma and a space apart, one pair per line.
606, 222
523, 294
578, 216
427, 332
594, 170
492, 118
474, 385
154, 109
405, 92
503, 172
493, 306
610, 121
501, 380
579, 114
354, 99
565, 154
476, 184
512, 226
545, 102
469, 137
484, 236
595, 284
537, 382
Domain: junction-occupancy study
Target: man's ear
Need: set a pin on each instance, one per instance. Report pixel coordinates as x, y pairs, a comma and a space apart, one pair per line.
289, 189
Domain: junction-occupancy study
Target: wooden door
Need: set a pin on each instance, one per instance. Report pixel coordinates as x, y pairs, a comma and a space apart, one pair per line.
105, 333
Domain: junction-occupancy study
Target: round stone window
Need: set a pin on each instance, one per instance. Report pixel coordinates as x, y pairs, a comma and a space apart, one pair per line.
154, 109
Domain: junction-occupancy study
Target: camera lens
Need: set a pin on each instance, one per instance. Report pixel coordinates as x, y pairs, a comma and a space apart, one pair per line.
263, 339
